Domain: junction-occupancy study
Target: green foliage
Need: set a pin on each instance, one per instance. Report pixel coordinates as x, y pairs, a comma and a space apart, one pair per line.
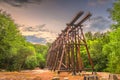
15, 52
104, 48
21, 57
41, 61
113, 51
41, 51
99, 59
89, 35
10, 39
31, 62
115, 14
95, 43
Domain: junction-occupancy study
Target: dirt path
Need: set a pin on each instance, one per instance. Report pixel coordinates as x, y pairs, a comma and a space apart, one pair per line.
27, 75
42, 75
35, 75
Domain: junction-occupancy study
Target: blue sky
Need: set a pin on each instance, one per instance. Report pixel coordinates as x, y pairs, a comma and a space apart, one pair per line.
44, 19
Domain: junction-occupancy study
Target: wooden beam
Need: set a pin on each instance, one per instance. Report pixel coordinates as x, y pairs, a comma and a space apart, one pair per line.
88, 15
76, 18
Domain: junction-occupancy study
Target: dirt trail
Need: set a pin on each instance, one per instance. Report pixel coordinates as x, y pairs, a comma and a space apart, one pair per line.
27, 75
36, 75
42, 75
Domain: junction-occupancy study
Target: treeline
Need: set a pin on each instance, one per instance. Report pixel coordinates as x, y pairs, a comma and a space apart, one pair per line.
105, 51
105, 47
15, 52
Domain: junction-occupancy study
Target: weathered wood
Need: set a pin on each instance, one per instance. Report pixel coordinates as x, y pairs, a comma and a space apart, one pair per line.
88, 15
90, 60
113, 77
79, 56
64, 53
91, 77
76, 18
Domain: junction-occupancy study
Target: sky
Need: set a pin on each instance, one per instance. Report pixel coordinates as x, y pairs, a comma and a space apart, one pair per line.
41, 21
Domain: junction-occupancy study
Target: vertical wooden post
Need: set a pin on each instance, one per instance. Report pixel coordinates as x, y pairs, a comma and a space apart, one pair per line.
79, 54
90, 60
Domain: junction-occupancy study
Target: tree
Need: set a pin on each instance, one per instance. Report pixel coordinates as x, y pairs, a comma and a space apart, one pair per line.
99, 59
41, 54
113, 51
95, 47
89, 35
113, 48
31, 62
9, 39
14, 49
115, 14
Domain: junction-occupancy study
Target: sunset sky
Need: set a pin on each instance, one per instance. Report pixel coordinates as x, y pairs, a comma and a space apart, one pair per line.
41, 20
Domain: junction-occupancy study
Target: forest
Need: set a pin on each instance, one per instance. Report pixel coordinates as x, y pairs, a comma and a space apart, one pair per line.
17, 54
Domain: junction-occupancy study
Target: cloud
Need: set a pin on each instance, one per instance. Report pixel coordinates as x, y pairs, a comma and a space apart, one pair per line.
98, 24
38, 34
97, 2
35, 28
41, 34
92, 3
40, 37
35, 40
19, 3
49, 36
102, 1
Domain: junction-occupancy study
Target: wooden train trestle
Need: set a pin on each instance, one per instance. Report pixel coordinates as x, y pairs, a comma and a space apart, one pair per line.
64, 53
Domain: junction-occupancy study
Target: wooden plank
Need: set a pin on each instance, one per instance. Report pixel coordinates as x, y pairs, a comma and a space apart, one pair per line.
63, 52
88, 15
76, 18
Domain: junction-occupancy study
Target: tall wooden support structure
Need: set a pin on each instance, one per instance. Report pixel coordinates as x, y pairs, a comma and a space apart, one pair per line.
65, 52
